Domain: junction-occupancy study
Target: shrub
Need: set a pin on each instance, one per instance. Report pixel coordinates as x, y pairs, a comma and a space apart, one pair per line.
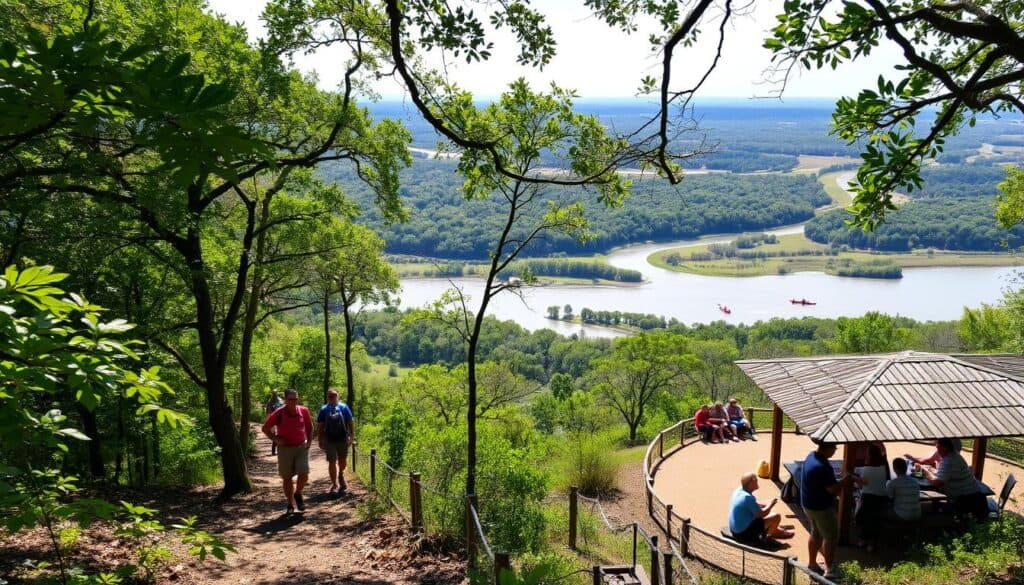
591, 470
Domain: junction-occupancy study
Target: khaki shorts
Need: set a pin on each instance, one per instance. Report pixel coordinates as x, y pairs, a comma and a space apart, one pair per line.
824, 524
292, 461
336, 451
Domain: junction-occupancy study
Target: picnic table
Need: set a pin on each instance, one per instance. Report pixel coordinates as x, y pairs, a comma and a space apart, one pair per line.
794, 468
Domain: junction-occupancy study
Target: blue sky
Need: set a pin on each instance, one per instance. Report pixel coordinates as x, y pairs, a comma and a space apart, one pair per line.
600, 63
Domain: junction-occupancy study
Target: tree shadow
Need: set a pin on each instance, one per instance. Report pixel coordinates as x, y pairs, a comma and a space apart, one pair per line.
281, 523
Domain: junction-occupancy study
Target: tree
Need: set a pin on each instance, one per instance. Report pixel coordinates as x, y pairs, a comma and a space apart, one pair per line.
176, 151
962, 60
871, 333
639, 369
709, 367
983, 329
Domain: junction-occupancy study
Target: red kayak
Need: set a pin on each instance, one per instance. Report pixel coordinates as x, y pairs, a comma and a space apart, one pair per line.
802, 302
725, 309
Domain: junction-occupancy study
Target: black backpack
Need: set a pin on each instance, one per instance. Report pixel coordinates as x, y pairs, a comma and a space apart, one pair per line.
334, 424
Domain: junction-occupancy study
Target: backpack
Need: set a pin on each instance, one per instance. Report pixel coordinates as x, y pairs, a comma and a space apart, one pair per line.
334, 424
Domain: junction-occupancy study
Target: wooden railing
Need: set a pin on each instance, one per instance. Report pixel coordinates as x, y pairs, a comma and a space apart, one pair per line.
689, 540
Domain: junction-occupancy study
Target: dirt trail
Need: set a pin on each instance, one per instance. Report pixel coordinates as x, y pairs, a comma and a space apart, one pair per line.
329, 543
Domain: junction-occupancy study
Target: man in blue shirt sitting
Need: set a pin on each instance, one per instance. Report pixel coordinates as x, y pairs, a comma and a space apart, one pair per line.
818, 490
750, 521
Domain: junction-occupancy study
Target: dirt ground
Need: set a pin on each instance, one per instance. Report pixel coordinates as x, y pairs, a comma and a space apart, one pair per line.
331, 543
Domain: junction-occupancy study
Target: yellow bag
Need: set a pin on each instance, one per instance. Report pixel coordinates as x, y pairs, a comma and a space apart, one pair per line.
764, 470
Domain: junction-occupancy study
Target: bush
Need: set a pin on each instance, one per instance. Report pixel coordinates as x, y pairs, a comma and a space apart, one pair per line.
188, 456
591, 470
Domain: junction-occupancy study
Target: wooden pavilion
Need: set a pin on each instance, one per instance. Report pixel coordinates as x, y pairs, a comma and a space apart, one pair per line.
907, 396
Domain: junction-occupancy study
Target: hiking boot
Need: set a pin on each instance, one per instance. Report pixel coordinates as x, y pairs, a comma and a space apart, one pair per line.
299, 503
290, 510
341, 485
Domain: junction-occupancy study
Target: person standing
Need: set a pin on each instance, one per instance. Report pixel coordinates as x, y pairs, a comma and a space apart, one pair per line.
818, 491
334, 434
291, 429
273, 404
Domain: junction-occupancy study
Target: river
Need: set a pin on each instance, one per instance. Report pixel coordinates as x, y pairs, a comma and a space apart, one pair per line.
925, 294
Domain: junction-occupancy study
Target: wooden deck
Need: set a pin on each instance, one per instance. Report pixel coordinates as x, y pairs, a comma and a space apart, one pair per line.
698, 480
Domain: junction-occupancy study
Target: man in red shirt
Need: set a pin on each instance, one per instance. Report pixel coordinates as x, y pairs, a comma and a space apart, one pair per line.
293, 438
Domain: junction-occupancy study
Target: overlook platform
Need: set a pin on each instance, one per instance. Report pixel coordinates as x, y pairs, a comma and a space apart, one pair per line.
698, 480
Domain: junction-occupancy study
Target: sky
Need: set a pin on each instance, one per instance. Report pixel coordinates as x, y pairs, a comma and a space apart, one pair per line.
600, 62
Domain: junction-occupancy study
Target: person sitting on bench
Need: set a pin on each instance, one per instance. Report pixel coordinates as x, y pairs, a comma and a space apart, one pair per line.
750, 521
707, 428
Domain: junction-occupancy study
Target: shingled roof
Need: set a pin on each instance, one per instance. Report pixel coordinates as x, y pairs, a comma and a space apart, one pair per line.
896, 397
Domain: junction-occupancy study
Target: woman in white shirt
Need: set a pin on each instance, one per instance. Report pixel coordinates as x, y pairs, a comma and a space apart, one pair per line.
874, 500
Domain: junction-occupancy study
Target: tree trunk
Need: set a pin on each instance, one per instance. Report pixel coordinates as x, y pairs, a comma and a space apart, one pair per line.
350, 380
156, 445
119, 459
95, 444
327, 342
249, 331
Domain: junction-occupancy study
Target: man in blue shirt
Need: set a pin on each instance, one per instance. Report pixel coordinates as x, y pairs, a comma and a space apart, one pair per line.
334, 433
750, 521
818, 490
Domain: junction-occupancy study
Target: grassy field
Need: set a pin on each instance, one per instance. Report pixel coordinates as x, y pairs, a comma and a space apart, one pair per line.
840, 197
797, 242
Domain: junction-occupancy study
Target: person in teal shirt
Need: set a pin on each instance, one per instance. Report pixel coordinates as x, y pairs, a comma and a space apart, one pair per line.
750, 521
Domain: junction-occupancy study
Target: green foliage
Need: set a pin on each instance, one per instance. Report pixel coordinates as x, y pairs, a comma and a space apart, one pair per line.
942, 223
872, 333
592, 470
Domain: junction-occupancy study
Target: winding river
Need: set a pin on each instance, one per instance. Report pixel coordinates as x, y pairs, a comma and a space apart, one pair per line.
923, 293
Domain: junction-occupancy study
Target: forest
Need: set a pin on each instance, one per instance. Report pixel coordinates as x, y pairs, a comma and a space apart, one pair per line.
946, 223
443, 225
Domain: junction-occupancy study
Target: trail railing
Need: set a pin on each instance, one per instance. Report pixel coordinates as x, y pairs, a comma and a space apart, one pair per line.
643, 556
404, 491
685, 539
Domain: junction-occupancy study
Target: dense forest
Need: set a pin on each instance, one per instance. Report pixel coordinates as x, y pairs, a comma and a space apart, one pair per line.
946, 223
443, 224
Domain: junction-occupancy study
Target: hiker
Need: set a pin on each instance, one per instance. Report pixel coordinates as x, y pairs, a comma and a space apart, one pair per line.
818, 491
737, 420
273, 404
702, 422
750, 521
334, 434
291, 429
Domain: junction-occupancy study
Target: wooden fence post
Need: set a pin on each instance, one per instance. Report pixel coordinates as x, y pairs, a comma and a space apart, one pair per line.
684, 537
668, 521
415, 501
655, 560
470, 531
373, 468
661, 446
666, 575
682, 434
596, 574
750, 417
787, 571
573, 515
501, 563
354, 458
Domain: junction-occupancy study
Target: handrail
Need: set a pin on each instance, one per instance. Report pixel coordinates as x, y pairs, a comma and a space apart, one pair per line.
480, 532
652, 497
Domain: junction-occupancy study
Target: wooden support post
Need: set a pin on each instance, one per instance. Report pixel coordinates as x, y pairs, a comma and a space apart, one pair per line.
354, 458
415, 501
596, 575
787, 571
501, 563
470, 531
750, 418
682, 434
373, 468
573, 515
684, 538
655, 560
650, 501
668, 521
978, 456
666, 573
776, 456
661, 446
846, 495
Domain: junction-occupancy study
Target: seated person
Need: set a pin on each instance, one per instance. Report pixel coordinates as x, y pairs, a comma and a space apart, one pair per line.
905, 494
702, 421
955, 478
735, 413
874, 500
933, 459
719, 417
750, 521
